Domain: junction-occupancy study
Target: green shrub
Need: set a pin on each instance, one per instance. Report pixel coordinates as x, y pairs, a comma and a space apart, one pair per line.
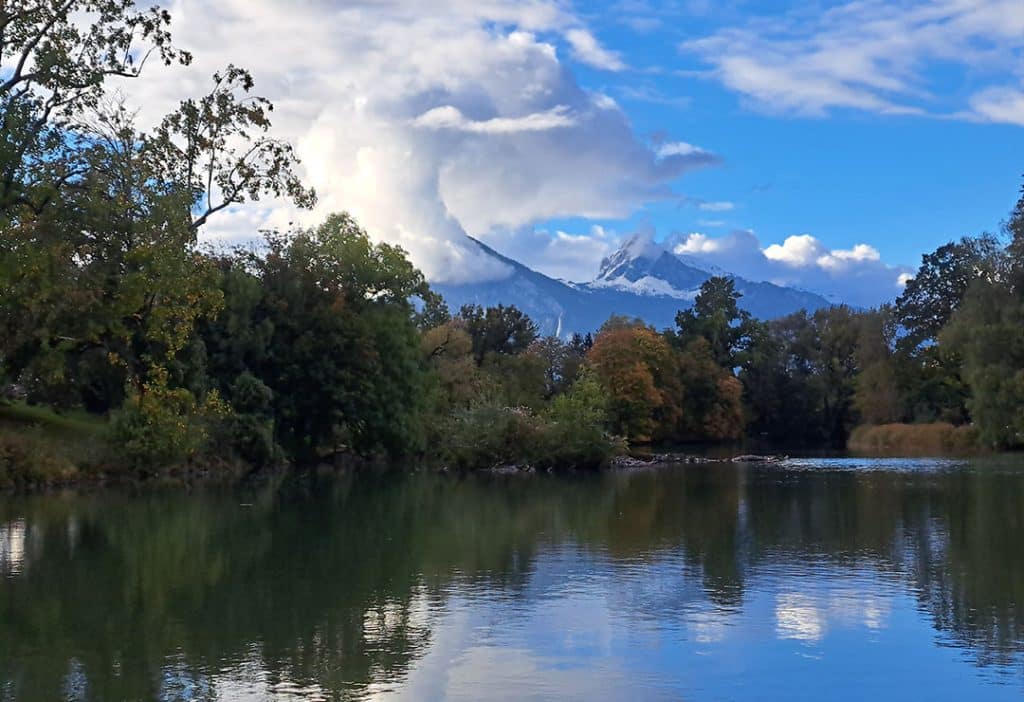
570, 433
487, 435
250, 395
247, 437
162, 428
576, 434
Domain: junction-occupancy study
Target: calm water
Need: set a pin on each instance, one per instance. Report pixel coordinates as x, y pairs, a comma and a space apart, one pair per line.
820, 579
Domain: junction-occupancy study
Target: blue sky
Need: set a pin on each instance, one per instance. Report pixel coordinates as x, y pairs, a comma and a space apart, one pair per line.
904, 183
825, 145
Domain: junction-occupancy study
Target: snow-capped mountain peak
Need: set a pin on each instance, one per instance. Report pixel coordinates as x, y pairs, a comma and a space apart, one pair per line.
639, 247
646, 267
642, 279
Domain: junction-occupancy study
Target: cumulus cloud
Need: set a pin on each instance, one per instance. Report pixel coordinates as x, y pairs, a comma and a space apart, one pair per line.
428, 125
872, 55
856, 275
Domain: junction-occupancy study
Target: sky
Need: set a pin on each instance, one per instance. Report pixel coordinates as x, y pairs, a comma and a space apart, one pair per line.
825, 145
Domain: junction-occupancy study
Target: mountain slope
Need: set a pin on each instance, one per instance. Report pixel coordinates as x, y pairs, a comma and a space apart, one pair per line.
642, 280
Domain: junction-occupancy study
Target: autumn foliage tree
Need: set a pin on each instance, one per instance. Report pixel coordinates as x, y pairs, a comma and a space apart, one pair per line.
629, 362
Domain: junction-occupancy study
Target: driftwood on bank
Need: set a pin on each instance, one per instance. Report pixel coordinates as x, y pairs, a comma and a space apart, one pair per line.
754, 458
660, 459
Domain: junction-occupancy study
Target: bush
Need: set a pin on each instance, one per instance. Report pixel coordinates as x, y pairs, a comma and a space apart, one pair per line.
569, 434
250, 395
936, 438
575, 433
162, 428
247, 437
488, 435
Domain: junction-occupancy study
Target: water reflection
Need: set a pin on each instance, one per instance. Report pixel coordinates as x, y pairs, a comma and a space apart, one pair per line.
12, 547
723, 582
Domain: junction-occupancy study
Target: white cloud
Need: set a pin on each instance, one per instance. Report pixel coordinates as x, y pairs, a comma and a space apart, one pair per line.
872, 55
586, 49
840, 258
427, 125
1005, 105
681, 148
856, 275
720, 206
800, 250
564, 255
696, 243
449, 117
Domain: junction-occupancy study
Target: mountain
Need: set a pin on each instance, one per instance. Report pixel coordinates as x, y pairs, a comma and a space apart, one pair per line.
642, 279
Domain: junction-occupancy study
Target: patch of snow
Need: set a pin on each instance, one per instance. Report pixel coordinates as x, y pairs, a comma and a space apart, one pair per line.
648, 285
640, 247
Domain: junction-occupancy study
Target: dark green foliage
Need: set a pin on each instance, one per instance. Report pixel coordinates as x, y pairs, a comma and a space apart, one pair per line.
498, 330
987, 332
717, 318
937, 289
248, 438
325, 321
1014, 229
570, 433
799, 377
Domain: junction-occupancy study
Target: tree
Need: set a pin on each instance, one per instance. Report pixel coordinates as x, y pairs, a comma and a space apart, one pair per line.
433, 312
930, 298
448, 351
498, 330
338, 345
836, 332
55, 60
558, 361
988, 333
1014, 229
928, 375
217, 150
122, 242
637, 369
712, 407
800, 376
122, 276
876, 395
717, 318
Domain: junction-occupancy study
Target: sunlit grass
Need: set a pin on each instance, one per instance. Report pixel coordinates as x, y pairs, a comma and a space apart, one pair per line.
76, 422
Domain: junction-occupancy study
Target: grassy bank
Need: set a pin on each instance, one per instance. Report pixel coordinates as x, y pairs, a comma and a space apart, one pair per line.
938, 438
41, 448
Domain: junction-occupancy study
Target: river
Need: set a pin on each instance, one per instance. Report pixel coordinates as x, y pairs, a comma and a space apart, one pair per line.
840, 579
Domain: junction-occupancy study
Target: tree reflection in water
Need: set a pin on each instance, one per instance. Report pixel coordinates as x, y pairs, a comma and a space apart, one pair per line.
331, 588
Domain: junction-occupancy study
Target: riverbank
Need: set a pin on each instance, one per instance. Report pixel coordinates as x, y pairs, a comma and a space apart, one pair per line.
938, 438
42, 449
